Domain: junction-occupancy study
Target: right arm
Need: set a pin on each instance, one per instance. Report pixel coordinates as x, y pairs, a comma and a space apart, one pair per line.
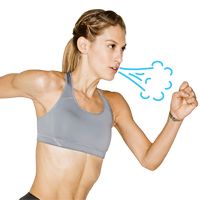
29, 84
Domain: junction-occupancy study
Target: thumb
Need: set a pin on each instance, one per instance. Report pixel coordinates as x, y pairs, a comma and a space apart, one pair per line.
183, 85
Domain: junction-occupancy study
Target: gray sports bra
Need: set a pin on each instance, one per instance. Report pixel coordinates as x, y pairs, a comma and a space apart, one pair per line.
69, 126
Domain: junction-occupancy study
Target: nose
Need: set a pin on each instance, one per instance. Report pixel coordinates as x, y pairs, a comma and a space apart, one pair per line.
119, 57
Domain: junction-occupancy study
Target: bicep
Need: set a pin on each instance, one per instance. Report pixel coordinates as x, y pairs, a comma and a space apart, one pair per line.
25, 84
131, 133
8, 89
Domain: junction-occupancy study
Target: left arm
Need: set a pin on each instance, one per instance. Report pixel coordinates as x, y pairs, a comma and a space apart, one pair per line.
151, 155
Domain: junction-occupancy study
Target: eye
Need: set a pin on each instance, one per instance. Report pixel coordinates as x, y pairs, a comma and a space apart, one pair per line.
111, 46
123, 48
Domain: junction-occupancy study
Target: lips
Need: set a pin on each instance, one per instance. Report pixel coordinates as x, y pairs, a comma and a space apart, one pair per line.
114, 68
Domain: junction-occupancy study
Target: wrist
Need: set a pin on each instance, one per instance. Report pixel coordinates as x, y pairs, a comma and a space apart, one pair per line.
171, 116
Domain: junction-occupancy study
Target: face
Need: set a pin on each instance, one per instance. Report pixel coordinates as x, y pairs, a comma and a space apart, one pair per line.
106, 51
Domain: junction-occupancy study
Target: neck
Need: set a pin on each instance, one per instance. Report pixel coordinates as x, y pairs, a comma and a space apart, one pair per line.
84, 81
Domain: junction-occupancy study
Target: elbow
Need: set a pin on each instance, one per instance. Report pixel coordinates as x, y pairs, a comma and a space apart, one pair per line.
150, 166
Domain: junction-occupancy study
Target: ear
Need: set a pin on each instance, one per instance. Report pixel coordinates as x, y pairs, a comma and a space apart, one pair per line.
83, 45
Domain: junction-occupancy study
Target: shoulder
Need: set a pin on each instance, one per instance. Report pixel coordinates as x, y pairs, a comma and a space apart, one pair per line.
35, 82
39, 77
118, 104
113, 97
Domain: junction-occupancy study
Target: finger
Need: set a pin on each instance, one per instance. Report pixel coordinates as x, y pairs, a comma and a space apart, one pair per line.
191, 100
194, 104
192, 94
189, 91
181, 94
183, 85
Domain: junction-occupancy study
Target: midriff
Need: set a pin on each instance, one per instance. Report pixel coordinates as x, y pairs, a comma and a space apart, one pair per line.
64, 174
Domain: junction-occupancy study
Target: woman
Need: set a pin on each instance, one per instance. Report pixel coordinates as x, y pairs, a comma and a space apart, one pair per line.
74, 117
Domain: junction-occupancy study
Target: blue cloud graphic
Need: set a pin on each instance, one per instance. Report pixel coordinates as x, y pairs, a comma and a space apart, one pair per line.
153, 81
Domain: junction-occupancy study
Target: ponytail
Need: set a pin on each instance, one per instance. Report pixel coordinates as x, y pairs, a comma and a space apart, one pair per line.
71, 57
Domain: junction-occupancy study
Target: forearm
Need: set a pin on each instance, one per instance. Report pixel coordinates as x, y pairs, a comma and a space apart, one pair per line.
161, 146
6, 85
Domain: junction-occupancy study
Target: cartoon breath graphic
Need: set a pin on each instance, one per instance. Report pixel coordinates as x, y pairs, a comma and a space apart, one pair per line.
153, 81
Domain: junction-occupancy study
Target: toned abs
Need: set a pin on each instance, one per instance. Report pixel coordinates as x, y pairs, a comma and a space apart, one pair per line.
63, 173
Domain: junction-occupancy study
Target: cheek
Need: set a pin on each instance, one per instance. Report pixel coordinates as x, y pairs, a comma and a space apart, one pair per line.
100, 57
103, 57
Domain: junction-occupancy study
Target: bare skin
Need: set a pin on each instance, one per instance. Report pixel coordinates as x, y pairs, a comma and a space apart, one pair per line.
66, 174
60, 173
69, 174
63, 173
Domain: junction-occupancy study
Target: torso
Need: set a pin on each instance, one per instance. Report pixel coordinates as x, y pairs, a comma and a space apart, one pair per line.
63, 173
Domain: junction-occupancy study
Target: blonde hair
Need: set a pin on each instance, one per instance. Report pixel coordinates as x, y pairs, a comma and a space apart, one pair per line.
89, 25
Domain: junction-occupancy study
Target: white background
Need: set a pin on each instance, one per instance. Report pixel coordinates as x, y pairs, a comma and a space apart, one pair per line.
33, 35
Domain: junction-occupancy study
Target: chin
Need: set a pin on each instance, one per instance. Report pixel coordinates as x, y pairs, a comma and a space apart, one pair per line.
108, 77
